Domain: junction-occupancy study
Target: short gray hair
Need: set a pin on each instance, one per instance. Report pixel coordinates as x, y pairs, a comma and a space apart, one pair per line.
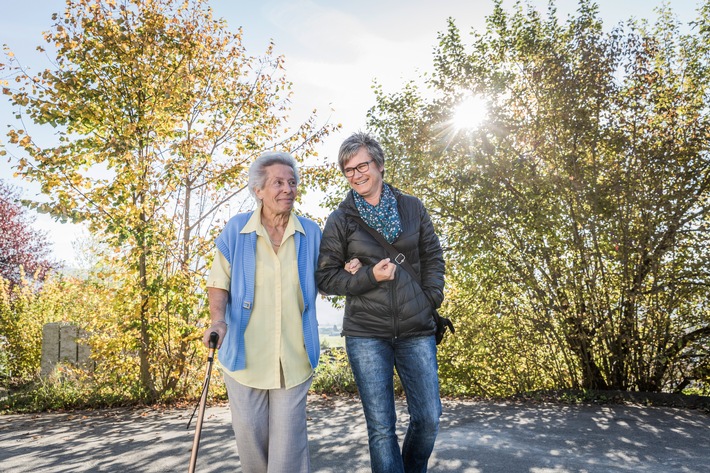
257, 170
352, 145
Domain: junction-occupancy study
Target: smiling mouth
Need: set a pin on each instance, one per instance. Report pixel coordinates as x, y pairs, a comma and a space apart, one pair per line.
357, 183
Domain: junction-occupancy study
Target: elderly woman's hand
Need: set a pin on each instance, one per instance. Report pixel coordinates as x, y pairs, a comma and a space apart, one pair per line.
220, 327
353, 266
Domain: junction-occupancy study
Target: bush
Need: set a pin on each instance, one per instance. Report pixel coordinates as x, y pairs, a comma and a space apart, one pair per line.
333, 374
67, 387
21, 329
4, 360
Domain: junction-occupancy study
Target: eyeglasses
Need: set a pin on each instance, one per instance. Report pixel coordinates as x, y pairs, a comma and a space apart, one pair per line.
361, 168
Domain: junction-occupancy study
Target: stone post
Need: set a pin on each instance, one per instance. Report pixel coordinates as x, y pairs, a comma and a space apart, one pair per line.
59, 343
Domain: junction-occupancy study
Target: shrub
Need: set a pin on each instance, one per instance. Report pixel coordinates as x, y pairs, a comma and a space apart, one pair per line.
333, 374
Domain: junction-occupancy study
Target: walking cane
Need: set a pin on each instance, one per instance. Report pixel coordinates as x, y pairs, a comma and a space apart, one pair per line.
214, 337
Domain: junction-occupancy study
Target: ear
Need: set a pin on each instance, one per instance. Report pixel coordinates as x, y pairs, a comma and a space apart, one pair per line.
259, 193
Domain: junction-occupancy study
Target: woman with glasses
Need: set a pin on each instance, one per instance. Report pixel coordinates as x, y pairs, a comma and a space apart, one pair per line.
388, 320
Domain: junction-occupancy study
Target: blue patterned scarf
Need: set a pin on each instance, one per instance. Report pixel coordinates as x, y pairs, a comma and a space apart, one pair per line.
384, 216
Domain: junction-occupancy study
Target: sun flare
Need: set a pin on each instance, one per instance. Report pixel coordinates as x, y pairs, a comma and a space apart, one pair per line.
470, 113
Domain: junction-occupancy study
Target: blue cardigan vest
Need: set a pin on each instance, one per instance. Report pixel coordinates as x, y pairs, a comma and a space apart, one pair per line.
240, 251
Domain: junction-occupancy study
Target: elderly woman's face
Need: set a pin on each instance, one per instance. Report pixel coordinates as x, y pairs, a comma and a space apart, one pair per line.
363, 174
279, 191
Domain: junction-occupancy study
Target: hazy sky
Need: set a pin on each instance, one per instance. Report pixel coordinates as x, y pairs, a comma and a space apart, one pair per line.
333, 49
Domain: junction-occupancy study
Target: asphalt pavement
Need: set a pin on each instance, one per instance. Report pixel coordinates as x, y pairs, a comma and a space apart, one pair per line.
475, 437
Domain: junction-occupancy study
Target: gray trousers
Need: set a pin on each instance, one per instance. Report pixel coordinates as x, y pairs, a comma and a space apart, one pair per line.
270, 427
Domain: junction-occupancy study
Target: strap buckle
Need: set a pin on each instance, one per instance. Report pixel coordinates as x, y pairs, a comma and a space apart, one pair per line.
399, 259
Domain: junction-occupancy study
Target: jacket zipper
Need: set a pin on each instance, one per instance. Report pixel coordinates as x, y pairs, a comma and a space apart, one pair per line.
395, 312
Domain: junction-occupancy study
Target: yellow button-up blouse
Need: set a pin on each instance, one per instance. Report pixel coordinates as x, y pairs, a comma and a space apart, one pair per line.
274, 336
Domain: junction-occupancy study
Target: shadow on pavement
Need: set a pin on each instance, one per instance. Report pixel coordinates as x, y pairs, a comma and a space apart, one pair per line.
475, 437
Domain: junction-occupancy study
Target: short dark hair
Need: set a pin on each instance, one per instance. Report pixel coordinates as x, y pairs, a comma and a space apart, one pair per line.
352, 145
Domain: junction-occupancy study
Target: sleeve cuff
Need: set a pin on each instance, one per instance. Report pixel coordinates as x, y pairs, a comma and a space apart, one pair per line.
220, 273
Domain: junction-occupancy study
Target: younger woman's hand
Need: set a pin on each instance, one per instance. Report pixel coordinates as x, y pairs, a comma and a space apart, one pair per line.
384, 270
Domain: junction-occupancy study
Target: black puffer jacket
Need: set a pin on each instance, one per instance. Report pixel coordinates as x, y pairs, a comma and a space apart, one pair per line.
389, 309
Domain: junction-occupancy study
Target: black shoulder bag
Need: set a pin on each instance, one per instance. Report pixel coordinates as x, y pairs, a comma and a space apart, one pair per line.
442, 323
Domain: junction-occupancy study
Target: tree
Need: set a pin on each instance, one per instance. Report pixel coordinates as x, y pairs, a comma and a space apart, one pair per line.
22, 248
576, 217
159, 110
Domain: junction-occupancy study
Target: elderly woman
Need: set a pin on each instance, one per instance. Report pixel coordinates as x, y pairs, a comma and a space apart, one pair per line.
388, 319
262, 299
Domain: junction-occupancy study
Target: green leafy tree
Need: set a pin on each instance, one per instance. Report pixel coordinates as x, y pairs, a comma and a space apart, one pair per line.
575, 217
158, 110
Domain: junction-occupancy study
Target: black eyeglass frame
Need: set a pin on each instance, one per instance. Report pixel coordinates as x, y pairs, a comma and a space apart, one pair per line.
350, 172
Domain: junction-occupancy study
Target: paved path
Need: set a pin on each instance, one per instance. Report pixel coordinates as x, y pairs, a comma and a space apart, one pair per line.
475, 437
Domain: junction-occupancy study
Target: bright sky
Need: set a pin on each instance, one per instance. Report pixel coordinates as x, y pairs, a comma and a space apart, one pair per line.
334, 49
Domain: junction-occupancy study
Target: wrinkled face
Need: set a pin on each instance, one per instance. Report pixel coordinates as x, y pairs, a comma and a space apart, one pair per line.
367, 183
279, 192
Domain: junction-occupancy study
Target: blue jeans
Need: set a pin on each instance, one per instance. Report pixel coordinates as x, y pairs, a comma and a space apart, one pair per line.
373, 361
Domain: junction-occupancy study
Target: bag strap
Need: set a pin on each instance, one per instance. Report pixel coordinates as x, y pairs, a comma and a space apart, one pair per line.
395, 254
401, 260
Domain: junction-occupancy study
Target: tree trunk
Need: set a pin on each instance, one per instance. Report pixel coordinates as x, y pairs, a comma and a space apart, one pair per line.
144, 352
